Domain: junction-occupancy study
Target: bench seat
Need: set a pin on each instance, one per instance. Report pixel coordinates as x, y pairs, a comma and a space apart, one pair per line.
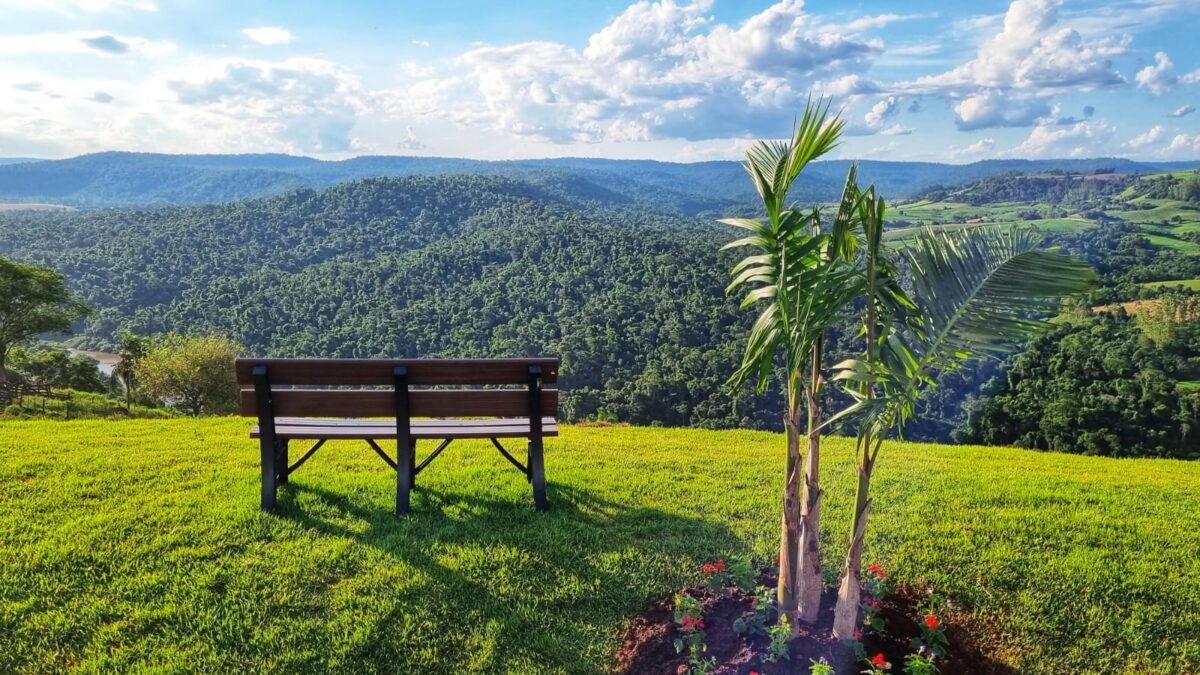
363, 429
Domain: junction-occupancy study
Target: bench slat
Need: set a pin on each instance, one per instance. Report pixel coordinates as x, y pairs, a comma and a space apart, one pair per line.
448, 429
379, 371
359, 422
381, 402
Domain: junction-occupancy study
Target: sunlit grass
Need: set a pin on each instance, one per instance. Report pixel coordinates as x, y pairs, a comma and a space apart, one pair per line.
138, 546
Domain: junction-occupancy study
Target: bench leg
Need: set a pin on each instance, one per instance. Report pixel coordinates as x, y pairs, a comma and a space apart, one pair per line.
404, 474
281, 463
537, 473
268, 452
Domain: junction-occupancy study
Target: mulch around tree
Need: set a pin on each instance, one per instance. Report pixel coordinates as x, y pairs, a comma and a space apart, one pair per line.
648, 648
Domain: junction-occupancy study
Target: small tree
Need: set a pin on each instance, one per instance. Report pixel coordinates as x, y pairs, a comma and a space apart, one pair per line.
972, 295
33, 300
799, 280
132, 349
192, 373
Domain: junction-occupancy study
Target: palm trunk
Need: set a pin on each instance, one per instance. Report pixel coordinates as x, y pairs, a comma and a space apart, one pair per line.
845, 615
3, 361
808, 569
789, 536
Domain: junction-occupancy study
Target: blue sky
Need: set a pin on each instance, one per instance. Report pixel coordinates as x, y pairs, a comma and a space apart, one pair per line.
679, 81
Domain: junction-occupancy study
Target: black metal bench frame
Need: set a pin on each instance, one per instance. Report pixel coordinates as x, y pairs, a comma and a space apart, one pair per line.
274, 445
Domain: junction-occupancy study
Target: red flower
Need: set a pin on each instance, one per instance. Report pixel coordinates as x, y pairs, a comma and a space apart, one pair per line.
754, 602
877, 570
878, 660
857, 634
699, 623
708, 568
720, 565
687, 622
931, 621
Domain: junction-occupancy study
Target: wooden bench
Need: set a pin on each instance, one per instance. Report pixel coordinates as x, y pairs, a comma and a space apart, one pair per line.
294, 399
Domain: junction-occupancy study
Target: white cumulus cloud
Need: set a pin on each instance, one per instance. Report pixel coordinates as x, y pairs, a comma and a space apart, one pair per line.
1082, 139
268, 35
975, 150
1183, 145
1151, 136
1157, 78
657, 70
310, 105
1033, 56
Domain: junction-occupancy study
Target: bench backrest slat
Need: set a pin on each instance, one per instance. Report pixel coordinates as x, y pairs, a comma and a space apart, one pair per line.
381, 402
332, 372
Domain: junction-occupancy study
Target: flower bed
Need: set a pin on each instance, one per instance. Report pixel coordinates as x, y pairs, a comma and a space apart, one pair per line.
729, 626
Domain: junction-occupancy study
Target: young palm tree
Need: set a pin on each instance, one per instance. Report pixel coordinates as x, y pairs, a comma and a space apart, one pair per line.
132, 348
972, 295
800, 278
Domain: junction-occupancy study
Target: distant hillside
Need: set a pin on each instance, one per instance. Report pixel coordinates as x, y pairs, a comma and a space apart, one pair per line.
128, 179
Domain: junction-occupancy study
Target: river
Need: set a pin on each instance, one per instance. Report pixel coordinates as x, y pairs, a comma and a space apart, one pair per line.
107, 360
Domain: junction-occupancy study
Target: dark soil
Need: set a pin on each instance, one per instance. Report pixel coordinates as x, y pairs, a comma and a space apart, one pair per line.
648, 648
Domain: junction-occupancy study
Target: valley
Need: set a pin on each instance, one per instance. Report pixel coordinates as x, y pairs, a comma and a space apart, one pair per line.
623, 284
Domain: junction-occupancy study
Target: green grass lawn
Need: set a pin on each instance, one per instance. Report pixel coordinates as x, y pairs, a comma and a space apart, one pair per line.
925, 212
1068, 225
1191, 284
1177, 244
137, 546
1163, 212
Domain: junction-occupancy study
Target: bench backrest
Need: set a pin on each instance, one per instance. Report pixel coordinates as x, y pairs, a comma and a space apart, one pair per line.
286, 380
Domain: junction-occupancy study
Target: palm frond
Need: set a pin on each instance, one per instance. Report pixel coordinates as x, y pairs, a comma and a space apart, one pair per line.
979, 290
774, 165
976, 293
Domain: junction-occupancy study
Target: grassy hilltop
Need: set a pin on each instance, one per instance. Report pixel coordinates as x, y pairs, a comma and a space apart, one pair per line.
138, 545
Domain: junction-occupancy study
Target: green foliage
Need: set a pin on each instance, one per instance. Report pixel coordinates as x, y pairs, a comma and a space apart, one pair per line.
191, 372
57, 368
822, 667
780, 634
1096, 386
972, 292
131, 349
691, 641
755, 620
81, 405
426, 267
920, 663
33, 300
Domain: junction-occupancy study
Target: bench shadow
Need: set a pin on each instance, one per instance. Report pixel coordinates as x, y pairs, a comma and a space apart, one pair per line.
534, 585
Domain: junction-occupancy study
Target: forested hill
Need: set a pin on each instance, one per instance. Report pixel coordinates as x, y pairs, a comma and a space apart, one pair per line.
125, 179
427, 266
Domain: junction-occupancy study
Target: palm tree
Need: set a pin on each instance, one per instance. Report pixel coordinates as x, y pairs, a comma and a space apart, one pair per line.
132, 349
973, 294
801, 279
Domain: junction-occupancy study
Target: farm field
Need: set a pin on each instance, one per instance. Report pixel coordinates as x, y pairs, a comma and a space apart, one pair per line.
138, 545
925, 212
1066, 225
1191, 284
